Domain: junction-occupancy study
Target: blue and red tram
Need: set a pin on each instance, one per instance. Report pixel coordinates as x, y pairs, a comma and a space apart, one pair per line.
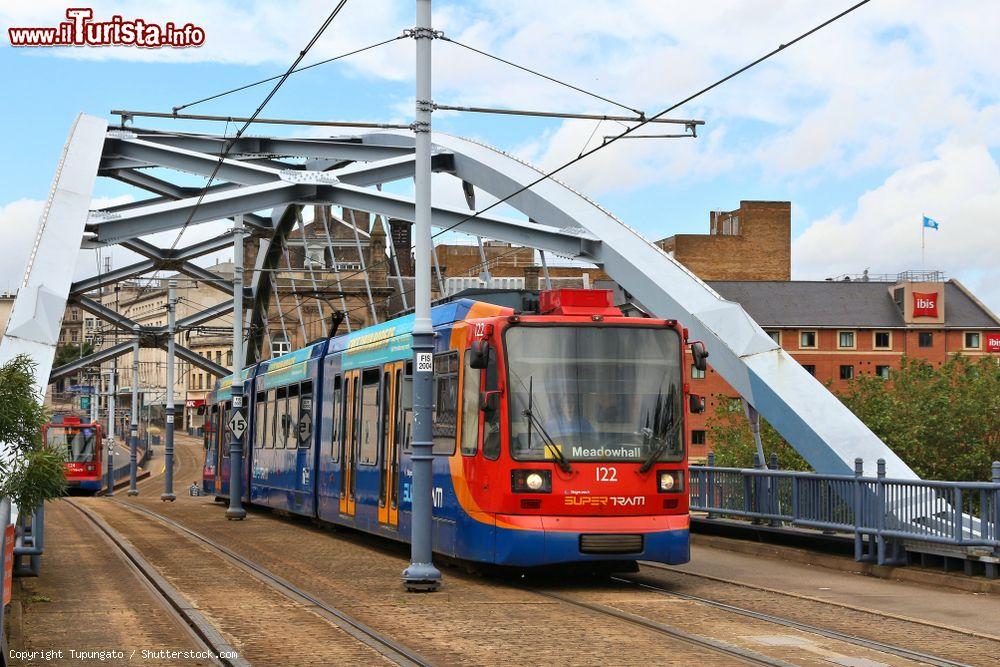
84, 456
558, 436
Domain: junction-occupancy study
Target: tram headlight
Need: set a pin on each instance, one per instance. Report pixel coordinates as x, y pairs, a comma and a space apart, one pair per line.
670, 481
531, 481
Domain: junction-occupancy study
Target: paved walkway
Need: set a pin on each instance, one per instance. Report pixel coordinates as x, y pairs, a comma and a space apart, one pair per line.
977, 612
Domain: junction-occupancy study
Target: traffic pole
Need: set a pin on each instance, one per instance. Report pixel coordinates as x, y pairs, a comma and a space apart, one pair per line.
236, 511
421, 575
168, 451
133, 462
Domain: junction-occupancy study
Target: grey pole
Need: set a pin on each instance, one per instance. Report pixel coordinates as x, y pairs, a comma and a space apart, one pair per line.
5, 512
421, 575
111, 427
133, 462
168, 451
236, 511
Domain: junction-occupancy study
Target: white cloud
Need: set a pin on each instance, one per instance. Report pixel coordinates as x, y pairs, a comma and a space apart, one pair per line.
18, 228
960, 188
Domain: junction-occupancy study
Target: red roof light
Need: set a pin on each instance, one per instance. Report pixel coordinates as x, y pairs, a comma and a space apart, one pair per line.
578, 302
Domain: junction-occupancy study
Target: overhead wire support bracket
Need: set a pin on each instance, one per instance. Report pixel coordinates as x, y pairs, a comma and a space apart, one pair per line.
688, 122
260, 121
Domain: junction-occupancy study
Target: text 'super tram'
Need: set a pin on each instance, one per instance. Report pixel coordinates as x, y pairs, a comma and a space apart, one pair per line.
558, 436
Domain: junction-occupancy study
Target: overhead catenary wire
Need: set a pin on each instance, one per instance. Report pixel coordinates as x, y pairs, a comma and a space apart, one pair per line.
628, 131
294, 71
445, 38
239, 133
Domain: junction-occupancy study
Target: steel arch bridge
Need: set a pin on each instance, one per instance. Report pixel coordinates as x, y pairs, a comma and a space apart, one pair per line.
257, 176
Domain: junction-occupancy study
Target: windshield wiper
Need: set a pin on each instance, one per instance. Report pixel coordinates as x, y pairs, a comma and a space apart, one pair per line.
670, 430
550, 444
660, 447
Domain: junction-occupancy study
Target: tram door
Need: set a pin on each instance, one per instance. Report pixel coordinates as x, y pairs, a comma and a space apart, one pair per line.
390, 444
352, 397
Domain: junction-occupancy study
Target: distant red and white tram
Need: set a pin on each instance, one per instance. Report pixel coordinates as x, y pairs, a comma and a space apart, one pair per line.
82, 443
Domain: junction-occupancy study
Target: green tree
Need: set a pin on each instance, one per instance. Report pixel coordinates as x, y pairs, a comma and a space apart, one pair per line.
943, 421
34, 473
71, 353
733, 442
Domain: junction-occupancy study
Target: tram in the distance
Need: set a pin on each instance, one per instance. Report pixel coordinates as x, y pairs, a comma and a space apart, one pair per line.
558, 435
82, 443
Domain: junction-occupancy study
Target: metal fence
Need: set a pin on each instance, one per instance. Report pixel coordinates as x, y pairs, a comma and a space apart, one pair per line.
892, 514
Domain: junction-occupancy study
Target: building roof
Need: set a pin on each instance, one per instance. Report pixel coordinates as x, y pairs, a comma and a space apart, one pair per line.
854, 304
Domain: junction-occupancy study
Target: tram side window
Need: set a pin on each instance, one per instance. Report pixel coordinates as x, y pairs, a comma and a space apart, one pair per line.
260, 418
491, 423
386, 416
281, 425
331, 411
445, 402
224, 432
368, 445
470, 407
305, 428
406, 414
292, 418
267, 437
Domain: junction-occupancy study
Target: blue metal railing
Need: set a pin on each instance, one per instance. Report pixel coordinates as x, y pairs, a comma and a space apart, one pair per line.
883, 510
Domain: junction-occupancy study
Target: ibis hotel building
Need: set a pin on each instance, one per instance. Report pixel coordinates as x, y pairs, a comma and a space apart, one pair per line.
838, 329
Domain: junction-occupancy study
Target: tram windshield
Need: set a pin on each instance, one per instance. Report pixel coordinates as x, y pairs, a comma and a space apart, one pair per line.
79, 442
595, 393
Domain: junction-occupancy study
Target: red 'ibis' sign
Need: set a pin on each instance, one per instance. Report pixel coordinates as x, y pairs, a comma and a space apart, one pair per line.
925, 304
993, 342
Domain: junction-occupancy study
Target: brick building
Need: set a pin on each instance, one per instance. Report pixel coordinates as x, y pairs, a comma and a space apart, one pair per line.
839, 330
754, 242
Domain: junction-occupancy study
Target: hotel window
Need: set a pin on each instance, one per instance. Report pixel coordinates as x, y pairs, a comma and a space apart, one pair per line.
845, 340
696, 374
882, 372
810, 368
883, 340
847, 372
697, 437
775, 335
926, 338
972, 340
807, 339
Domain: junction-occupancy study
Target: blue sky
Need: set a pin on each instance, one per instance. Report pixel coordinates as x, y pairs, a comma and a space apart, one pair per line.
888, 114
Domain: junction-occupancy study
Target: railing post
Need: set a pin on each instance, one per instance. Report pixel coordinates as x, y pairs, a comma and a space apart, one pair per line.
956, 513
996, 506
710, 474
880, 511
795, 499
772, 487
859, 471
751, 499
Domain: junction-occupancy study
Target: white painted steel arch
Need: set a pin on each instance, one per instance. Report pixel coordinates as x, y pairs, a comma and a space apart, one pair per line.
341, 170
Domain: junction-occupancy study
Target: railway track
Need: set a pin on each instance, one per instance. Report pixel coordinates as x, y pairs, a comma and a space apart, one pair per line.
830, 603
204, 633
389, 648
862, 642
730, 651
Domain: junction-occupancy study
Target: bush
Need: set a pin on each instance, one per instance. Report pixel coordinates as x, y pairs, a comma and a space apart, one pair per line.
34, 473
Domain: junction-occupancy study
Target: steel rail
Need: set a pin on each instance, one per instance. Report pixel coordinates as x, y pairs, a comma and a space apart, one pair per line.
871, 644
205, 634
744, 655
832, 603
379, 642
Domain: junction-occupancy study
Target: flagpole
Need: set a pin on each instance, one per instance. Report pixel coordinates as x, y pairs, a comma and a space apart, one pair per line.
923, 233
